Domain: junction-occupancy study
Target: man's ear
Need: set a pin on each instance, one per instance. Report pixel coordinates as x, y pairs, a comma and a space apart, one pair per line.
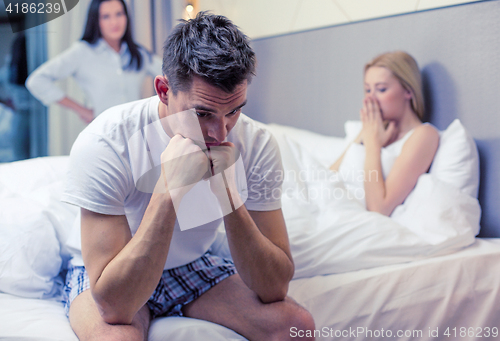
162, 88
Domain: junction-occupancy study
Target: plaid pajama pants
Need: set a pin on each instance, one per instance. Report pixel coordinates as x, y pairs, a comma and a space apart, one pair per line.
177, 286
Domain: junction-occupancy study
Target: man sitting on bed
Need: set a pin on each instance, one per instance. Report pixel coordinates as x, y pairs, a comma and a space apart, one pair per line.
144, 243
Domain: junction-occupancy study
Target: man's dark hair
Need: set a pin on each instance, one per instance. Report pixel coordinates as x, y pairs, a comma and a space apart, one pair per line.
211, 47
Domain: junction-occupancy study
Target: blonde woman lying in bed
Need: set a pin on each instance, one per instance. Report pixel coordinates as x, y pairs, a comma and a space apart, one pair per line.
394, 147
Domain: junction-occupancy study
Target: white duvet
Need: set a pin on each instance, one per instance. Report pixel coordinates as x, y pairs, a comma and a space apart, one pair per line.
330, 231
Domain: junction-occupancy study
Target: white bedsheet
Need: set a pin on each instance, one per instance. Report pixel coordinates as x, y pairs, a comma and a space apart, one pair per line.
33, 319
25, 319
461, 290
331, 231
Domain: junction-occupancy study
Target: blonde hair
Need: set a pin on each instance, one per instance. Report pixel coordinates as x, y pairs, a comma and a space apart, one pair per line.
405, 69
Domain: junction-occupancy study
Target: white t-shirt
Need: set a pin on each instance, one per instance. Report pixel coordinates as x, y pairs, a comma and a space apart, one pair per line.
110, 155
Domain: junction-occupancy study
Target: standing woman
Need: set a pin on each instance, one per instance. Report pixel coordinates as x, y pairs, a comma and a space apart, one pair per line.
394, 147
107, 64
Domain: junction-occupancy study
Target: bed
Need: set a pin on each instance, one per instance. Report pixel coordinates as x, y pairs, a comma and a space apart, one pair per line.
432, 285
421, 299
406, 286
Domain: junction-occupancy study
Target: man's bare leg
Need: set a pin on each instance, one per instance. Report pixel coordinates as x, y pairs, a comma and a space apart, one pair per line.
88, 324
232, 304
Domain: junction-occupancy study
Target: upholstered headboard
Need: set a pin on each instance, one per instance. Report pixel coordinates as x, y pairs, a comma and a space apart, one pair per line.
313, 79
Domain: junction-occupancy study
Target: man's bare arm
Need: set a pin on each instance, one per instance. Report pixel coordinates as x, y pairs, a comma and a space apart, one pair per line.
261, 252
258, 240
124, 270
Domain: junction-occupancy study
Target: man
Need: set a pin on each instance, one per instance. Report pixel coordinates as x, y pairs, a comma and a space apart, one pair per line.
142, 256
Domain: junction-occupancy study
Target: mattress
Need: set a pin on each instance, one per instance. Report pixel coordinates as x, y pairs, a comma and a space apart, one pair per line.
453, 297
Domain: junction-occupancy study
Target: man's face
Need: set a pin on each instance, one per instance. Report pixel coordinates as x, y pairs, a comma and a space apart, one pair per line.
217, 111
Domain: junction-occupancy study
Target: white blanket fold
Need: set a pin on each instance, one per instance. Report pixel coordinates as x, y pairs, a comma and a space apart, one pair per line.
330, 230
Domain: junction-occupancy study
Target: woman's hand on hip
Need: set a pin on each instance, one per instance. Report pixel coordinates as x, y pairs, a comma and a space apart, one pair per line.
87, 115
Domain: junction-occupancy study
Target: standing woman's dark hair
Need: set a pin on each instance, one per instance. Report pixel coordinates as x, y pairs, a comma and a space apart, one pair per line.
92, 32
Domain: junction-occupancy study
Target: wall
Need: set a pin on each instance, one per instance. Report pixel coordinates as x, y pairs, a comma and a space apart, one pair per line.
264, 18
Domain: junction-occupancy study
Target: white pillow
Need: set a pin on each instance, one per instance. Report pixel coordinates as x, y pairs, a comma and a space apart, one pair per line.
352, 129
42, 180
62, 215
325, 149
34, 225
30, 258
27, 176
457, 161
